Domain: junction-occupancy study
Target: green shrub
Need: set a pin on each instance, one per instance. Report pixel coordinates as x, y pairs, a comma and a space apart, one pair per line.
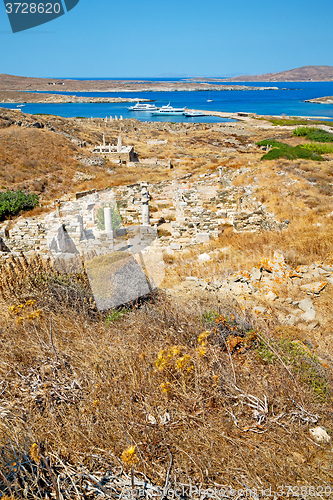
319, 148
115, 315
210, 316
295, 121
313, 134
14, 202
281, 150
301, 360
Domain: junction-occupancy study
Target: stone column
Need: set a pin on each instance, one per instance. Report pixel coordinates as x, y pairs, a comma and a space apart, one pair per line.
119, 144
145, 204
108, 221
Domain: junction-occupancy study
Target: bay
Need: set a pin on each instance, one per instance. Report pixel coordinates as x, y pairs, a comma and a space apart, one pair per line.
287, 100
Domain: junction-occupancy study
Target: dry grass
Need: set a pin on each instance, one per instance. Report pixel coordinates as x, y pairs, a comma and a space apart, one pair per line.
83, 389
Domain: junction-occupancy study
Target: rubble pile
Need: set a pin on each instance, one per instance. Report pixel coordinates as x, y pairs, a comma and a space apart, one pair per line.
265, 282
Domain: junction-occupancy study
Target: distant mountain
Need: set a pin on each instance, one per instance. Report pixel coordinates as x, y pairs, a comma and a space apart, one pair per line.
303, 74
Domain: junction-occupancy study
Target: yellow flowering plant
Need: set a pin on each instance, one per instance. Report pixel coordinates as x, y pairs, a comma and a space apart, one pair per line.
129, 456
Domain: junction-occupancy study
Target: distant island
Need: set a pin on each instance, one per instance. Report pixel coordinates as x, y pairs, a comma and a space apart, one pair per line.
302, 74
321, 100
17, 97
28, 84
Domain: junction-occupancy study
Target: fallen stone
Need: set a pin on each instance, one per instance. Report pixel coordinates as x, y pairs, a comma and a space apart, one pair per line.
305, 304
238, 288
270, 296
315, 287
175, 246
327, 268
308, 326
204, 257
290, 320
242, 276
309, 315
202, 237
259, 310
255, 274
320, 435
191, 278
302, 269
289, 300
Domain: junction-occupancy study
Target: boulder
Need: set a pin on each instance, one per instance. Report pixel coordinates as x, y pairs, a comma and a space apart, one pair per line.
305, 304
204, 257
309, 315
315, 287
270, 296
255, 274
320, 435
239, 288
259, 310
202, 237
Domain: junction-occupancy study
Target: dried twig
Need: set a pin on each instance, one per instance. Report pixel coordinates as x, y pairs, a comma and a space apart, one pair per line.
51, 338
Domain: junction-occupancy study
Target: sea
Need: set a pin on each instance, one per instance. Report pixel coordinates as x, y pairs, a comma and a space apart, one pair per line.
287, 100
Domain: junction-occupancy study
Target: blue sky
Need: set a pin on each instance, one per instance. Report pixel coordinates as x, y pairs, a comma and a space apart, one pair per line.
124, 38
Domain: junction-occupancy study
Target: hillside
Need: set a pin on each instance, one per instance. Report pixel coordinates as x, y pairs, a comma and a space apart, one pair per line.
28, 84
302, 74
217, 383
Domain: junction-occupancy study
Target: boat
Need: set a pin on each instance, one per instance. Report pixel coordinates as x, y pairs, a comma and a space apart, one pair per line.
168, 110
192, 114
20, 105
143, 107
210, 97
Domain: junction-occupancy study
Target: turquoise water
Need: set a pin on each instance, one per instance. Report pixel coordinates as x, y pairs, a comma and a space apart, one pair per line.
287, 100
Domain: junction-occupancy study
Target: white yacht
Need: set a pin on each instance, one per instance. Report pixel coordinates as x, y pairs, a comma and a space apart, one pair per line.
143, 107
169, 110
193, 114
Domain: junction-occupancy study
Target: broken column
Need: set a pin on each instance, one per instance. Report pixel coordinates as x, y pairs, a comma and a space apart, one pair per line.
108, 224
145, 204
108, 220
222, 172
148, 233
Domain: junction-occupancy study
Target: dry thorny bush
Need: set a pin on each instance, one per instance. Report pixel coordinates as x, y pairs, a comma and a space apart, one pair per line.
189, 390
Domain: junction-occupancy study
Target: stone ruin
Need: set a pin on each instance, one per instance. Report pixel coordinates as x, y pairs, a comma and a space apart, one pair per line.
195, 211
122, 264
79, 226
115, 153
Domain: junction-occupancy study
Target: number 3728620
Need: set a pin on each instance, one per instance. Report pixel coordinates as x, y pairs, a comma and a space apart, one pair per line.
33, 8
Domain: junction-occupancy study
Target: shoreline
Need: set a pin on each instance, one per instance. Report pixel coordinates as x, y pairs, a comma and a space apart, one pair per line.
321, 100
238, 116
16, 97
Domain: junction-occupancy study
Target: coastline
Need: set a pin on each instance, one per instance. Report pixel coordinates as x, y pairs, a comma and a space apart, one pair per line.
27, 84
321, 100
16, 97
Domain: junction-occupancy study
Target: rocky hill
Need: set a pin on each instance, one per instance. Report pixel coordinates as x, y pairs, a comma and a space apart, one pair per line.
19, 83
302, 74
